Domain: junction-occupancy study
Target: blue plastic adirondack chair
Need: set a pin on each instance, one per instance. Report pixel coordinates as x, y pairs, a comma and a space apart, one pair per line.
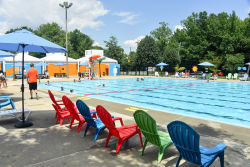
187, 141
91, 122
7, 101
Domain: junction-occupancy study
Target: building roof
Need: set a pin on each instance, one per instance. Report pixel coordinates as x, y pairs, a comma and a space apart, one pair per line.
57, 58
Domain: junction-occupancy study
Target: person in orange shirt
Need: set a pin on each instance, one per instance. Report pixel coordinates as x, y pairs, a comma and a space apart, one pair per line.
32, 76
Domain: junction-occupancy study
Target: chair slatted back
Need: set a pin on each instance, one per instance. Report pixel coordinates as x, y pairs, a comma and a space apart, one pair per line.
52, 97
85, 112
71, 107
148, 127
106, 118
186, 140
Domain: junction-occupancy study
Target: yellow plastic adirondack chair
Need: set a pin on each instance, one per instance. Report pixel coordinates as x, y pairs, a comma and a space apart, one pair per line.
148, 128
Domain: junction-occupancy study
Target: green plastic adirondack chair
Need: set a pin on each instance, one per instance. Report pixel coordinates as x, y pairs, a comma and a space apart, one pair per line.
229, 76
208, 76
148, 127
235, 76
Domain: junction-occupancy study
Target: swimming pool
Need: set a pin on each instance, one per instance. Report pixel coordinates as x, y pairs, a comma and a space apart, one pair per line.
226, 102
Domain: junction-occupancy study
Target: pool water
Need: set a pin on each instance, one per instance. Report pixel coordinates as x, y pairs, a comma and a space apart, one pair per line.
226, 102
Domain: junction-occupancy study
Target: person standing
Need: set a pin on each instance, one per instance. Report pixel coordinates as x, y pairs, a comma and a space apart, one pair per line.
3, 79
32, 76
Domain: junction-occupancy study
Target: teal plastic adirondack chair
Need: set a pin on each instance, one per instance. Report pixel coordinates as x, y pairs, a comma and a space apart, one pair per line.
148, 127
229, 76
187, 141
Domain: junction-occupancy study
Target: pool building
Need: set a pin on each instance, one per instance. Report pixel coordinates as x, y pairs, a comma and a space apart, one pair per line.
55, 64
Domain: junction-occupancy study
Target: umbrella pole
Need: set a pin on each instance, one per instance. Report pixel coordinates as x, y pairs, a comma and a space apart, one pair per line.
23, 123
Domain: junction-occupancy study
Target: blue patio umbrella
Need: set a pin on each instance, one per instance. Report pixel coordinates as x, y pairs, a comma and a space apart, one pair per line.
161, 65
6, 54
206, 64
26, 41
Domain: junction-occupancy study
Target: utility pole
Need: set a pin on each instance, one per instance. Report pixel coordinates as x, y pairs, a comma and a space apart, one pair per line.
66, 5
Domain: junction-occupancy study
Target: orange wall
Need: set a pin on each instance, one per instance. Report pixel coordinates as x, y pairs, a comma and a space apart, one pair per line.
52, 69
10, 71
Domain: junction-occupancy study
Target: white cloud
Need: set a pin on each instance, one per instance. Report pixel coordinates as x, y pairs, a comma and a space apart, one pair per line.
127, 17
133, 43
178, 27
32, 13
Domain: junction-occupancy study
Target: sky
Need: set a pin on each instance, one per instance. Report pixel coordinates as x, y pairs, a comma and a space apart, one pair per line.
128, 20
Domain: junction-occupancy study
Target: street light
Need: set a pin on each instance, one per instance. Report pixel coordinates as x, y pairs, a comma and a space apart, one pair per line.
66, 5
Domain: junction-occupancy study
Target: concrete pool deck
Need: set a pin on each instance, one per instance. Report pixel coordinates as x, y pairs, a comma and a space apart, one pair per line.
48, 144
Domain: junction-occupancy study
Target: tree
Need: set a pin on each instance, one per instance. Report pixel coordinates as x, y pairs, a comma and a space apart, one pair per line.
147, 53
20, 28
52, 32
233, 61
79, 42
113, 50
162, 36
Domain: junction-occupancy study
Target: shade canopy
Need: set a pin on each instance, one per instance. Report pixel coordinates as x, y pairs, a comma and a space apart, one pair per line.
57, 58
6, 54
161, 64
248, 63
206, 64
107, 60
27, 58
33, 43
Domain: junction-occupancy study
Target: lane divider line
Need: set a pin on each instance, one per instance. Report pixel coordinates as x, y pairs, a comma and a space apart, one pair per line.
167, 86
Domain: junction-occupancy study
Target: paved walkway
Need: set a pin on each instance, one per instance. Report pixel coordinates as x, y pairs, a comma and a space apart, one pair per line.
48, 144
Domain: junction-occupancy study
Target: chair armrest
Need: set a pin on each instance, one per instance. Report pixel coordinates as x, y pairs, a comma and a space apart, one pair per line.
129, 126
118, 118
217, 149
59, 101
94, 114
62, 109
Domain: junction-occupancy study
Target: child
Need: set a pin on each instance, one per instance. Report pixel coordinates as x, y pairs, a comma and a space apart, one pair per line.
3, 79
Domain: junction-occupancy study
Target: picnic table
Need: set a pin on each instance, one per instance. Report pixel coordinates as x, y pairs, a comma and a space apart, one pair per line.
59, 74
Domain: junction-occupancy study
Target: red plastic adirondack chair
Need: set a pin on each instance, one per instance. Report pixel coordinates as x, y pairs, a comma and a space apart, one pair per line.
123, 133
61, 115
58, 103
73, 112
